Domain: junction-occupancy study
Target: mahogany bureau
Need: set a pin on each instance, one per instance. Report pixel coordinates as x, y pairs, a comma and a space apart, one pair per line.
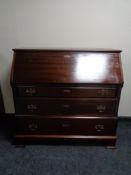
66, 94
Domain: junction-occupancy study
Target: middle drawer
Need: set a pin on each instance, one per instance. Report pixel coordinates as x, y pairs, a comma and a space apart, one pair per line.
68, 106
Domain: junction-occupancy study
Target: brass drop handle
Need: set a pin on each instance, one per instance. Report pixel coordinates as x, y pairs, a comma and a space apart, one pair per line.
30, 91
31, 107
103, 92
101, 108
33, 126
99, 127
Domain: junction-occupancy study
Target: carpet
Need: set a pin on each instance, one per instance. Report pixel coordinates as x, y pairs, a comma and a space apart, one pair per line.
67, 159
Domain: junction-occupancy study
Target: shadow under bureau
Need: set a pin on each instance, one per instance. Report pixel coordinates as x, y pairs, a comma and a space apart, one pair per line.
66, 94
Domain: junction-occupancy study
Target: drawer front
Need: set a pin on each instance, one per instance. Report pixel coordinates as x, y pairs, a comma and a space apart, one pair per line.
66, 106
71, 126
32, 91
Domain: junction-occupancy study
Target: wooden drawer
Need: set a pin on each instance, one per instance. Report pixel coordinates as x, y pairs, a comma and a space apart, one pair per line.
65, 106
69, 126
83, 92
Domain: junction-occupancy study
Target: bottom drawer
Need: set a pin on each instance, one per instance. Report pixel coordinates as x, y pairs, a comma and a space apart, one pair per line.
66, 126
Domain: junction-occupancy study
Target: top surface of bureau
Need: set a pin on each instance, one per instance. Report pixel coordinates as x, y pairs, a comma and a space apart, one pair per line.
36, 66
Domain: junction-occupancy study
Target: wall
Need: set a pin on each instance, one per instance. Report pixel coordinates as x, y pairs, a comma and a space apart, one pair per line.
65, 23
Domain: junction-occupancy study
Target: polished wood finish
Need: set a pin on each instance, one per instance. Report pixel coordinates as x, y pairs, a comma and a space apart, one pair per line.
68, 106
66, 67
66, 126
39, 91
71, 94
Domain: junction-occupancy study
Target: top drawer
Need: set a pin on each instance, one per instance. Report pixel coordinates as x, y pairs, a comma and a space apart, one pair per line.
33, 91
